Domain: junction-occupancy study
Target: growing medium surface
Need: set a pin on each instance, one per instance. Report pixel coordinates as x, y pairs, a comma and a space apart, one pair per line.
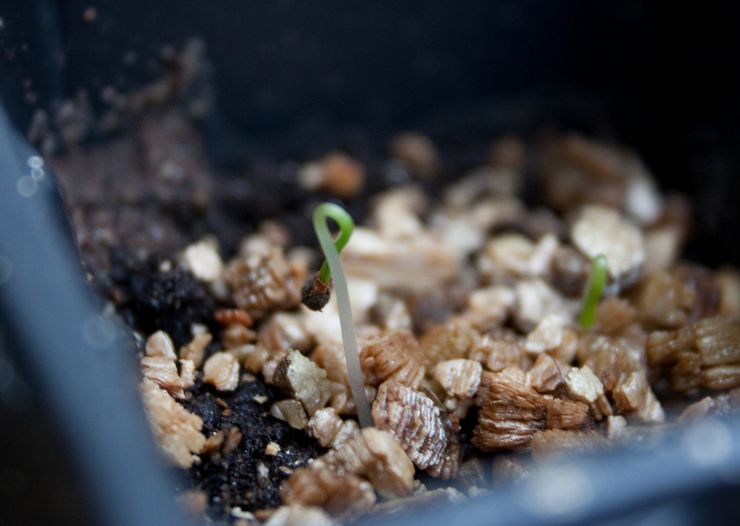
466, 305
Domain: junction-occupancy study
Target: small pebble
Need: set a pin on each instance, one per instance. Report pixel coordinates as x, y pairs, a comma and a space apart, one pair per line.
272, 449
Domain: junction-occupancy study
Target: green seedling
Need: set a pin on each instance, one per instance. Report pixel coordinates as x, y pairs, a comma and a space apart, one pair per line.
316, 295
592, 293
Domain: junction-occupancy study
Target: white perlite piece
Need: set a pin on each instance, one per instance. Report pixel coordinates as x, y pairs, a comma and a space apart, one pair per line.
601, 230
163, 372
263, 472
290, 411
160, 344
507, 253
347, 431
616, 427
241, 514
324, 426
297, 515
187, 373
222, 371
396, 213
543, 254
458, 232
662, 247
291, 330
535, 300
203, 261
547, 336
160, 366
459, 378
491, 304
516, 255
177, 431
195, 350
584, 386
642, 200
303, 380
391, 313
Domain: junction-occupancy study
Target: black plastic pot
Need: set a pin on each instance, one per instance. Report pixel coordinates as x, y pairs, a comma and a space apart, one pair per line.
290, 77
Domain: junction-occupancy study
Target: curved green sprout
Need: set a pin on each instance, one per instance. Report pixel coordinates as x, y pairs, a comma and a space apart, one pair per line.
346, 226
332, 269
592, 293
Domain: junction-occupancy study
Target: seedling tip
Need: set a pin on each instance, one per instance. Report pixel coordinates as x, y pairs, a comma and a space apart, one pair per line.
592, 293
317, 289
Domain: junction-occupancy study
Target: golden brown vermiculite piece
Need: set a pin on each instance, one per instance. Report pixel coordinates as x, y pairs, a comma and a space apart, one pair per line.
579, 171
330, 486
448, 342
395, 356
669, 300
449, 467
336, 482
614, 316
459, 378
376, 455
611, 359
620, 365
414, 420
663, 301
705, 354
511, 413
547, 374
262, 282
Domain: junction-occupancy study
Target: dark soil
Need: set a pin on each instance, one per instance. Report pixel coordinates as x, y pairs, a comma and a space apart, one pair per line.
152, 190
151, 299
234, 479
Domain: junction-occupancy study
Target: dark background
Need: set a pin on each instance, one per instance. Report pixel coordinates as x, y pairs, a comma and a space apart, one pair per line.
659, 76
289, 75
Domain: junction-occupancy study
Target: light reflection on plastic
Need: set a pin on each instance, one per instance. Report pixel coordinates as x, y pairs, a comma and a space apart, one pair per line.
36, 164
708, 443
26, 186
558, 491
98, 331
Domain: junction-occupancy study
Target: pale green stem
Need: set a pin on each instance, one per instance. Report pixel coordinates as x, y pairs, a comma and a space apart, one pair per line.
331, 253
